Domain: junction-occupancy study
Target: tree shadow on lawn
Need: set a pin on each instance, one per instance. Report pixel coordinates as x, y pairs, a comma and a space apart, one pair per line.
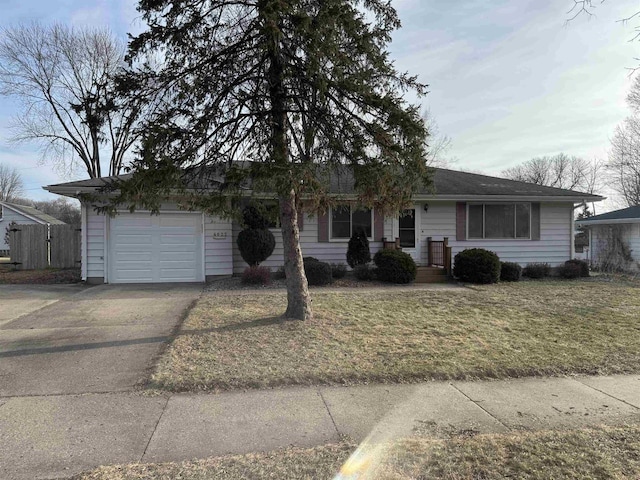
260, 322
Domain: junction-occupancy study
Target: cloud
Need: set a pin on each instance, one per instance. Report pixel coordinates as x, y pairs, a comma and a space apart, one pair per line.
509, 81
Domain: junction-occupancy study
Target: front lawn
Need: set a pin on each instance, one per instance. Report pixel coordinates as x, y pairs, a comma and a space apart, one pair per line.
508, 330
605, 452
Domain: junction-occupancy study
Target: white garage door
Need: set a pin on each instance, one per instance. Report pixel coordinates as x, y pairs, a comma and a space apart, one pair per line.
148, 248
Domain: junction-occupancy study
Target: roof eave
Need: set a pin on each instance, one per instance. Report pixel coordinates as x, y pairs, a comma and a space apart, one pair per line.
587, 222
75, 192
512, 197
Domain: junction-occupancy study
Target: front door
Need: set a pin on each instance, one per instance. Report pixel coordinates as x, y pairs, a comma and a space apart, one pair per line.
408, 232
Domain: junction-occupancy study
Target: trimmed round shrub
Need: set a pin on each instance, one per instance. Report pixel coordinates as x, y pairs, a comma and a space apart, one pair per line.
395, 266
510, 272
256, 245
365, 272
536, 270
583, 264
309, 259
477, 265
570, 270
256, 242
256, 275
317, 273
338, 270
358, 252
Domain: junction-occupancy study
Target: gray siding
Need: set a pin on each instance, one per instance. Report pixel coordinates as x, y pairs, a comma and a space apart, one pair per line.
222, 256
217, 246
95, 244
332, 252
9, 216
554, 246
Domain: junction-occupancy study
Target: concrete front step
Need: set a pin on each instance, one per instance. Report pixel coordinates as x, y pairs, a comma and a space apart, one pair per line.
431, 275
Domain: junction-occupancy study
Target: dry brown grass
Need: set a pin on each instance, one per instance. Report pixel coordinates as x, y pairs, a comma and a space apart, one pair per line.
597, 453
508, 330
48, 276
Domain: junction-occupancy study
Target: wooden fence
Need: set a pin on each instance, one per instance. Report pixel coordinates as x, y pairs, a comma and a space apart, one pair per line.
34, 247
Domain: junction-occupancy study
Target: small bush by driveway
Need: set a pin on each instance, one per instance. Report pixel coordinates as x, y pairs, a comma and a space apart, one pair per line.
507, 330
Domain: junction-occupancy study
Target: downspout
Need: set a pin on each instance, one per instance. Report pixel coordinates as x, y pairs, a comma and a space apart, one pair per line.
573, 237
84, 233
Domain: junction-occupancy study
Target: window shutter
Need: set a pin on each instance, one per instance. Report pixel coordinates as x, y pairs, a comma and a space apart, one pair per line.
323, 227
461, 221
535, 221
378, 225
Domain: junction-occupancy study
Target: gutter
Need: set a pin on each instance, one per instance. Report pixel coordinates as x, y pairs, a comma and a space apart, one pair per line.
586, 223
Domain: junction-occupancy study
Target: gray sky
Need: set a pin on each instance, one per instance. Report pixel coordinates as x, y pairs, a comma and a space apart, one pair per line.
508, 79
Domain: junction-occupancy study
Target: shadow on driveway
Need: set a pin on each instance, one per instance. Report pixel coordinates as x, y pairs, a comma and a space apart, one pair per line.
100, 339
263, 322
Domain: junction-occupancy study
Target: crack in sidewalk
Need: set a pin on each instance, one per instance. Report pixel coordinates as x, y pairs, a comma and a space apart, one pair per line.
155, 428
326, 405
480, 407
606, 393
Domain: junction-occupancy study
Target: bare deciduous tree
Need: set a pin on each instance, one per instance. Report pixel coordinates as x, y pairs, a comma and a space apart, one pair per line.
438, 144
560, 171
11, 185
624, 156
64, 78
624, 160
587, 7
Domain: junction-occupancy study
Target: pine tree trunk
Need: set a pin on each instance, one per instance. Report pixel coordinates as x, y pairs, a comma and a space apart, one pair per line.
298, 298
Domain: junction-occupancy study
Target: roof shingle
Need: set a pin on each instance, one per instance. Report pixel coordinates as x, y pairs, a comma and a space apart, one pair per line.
446, 182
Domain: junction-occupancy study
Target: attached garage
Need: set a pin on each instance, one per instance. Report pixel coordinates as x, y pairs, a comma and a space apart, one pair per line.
144, 248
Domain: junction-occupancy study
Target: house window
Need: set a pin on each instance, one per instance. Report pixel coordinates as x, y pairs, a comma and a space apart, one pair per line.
346, 220
499, 220
407, 229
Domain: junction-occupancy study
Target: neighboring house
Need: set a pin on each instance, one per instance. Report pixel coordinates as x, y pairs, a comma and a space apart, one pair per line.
22, 215
521, 222
624, 223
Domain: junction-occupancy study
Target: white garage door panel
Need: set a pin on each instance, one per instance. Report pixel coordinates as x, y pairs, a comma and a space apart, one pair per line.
178, 257
156, 248
177, 239
124, 241
134, 220
135, 276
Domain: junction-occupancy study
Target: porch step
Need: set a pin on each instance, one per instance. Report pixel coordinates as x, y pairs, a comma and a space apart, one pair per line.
431, 275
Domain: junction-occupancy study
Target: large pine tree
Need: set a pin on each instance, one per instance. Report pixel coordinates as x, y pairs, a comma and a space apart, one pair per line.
278, 94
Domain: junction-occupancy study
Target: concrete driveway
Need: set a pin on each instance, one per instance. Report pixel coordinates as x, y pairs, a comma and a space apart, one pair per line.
74, 339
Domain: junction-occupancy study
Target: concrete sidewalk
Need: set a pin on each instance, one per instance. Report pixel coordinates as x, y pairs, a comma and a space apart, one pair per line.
60, 435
